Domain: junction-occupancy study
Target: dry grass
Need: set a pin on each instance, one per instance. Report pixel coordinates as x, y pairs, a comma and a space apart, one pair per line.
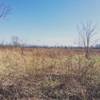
48, 74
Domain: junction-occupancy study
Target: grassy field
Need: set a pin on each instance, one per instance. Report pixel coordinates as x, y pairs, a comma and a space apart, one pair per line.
49, 74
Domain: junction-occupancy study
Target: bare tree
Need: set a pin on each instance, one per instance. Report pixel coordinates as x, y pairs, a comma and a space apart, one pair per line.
87, 32
15, 41
4, 10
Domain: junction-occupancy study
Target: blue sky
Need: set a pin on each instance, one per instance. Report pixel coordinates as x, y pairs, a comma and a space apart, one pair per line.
48, 22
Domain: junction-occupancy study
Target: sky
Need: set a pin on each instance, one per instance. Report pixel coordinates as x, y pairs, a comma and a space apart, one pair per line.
48, 22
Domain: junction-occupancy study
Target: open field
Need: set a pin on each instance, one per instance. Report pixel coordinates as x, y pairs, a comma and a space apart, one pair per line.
49, 74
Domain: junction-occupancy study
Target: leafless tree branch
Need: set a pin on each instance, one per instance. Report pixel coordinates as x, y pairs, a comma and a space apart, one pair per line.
87, 32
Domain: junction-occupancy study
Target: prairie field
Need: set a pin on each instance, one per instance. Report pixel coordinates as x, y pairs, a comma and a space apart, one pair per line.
49, 74
49, 49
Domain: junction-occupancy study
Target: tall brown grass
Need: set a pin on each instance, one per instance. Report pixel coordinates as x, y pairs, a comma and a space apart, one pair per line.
48, 74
